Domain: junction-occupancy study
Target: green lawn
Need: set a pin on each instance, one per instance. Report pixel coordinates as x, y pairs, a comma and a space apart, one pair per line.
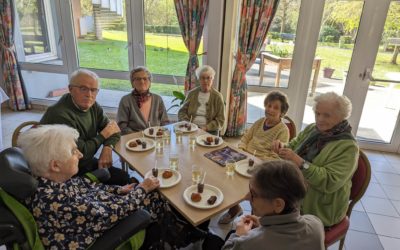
167, 54
339, 59
164, 54
125, 85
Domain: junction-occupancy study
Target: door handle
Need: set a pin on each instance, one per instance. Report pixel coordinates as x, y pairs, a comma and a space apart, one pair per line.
366, 75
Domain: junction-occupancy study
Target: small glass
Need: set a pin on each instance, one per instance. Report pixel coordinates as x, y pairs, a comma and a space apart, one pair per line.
159, 146
192, 141
173, 161
166, 137
178, 136
197, 172
230, 165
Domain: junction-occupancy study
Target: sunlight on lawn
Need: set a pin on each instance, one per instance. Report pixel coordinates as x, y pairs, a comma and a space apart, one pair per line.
173, 42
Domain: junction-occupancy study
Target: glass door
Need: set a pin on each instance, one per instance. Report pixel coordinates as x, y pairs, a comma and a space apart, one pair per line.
358, 44
374, 76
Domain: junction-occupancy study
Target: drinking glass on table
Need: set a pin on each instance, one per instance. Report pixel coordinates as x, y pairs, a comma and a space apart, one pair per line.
192, 141
178, 135
159, 146
197, 172
166, 137
173, 161
230, 165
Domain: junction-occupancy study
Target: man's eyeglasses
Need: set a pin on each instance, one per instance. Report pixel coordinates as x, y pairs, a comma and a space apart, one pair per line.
84, 89
141, 78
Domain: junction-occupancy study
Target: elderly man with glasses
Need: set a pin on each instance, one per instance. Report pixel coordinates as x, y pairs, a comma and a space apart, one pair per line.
79, 110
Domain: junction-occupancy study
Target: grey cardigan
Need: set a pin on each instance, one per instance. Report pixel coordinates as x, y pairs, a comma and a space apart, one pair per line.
130, 119
289, 231
215, 110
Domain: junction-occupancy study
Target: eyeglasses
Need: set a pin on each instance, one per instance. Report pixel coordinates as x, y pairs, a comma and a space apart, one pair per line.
84, 89
206, 78
141, 78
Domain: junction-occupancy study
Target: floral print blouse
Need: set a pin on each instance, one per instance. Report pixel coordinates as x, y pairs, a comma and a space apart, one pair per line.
75, 213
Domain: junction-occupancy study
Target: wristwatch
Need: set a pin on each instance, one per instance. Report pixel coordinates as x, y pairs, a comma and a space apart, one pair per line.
305, 165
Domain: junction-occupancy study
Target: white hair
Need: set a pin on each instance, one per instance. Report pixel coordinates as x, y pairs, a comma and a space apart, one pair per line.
341, 104
44, 143
205, 69
77, 73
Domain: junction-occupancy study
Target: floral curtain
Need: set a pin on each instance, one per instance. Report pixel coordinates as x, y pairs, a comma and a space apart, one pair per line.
191, 16
255, 19
11, 73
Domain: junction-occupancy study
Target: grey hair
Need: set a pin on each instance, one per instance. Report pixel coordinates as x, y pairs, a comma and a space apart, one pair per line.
205, 69
139, 69
342, 104
44, 143
77, 73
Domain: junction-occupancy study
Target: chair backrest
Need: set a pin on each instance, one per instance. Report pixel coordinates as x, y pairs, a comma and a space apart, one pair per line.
360, 181
20, 128
15, 177
291, 126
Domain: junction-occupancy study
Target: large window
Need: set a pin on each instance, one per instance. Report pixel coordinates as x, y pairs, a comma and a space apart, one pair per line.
39, 36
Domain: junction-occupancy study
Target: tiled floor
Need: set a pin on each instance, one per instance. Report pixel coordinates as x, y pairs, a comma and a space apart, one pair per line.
375, 221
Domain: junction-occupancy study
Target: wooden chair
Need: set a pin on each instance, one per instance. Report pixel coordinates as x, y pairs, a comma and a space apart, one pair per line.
360, 182
22, 127
291, 126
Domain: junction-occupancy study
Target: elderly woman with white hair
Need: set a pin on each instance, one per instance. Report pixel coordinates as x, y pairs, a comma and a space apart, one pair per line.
327, 154
204, 105
71, 213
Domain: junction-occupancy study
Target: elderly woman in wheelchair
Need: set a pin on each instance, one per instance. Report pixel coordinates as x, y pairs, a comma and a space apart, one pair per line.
74, 212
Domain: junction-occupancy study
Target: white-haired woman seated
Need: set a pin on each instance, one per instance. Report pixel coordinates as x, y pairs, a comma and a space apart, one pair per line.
73, 212
204, 105
327, 154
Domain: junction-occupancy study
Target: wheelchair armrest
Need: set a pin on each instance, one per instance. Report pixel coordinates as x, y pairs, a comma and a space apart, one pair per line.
126, 228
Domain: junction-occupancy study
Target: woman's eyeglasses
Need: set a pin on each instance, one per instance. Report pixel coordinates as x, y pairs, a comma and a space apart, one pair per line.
206, 78
141, 78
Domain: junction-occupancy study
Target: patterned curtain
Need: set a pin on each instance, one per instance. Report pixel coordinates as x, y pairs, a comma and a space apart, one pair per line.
12, 78
255, 19
191, 16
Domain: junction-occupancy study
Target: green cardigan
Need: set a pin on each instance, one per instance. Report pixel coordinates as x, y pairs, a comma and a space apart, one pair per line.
215, 111
329, 178
88, 123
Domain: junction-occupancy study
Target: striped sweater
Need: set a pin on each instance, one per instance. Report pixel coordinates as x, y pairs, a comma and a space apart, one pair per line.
256, 138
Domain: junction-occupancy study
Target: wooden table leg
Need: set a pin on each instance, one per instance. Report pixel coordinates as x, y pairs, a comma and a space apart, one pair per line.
261, 71
315, 77
278, 75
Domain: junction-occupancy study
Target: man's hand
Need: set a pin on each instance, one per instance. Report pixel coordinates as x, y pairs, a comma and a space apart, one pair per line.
110, 129
105, 160
149, 184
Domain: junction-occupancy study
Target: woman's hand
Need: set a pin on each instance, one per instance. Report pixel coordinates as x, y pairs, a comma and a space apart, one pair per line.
127, 188
149, 184
244, 226
277, 145
290, 155
255, 219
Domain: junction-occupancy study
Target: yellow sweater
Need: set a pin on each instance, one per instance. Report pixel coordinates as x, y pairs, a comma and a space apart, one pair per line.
258, 139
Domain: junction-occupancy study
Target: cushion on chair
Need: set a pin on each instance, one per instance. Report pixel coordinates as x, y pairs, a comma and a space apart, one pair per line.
15, 177
337, 231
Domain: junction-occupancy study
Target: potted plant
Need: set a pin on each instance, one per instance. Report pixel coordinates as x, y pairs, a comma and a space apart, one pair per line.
328, 72
179, 96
